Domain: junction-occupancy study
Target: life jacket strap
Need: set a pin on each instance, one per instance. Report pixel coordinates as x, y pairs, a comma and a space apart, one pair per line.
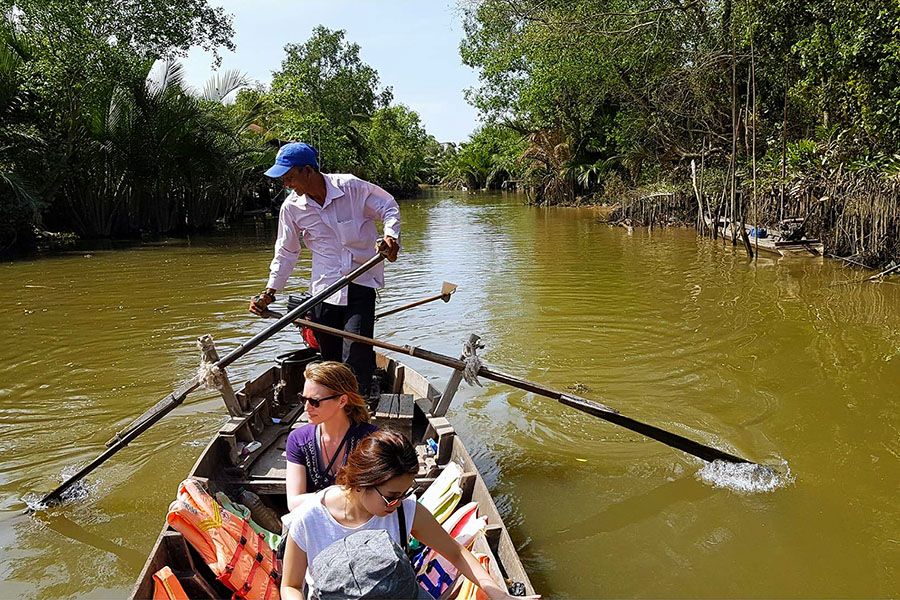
225, 577
245, 589
270, 585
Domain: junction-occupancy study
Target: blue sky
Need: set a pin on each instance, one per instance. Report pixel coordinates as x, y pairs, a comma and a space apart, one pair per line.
413, 44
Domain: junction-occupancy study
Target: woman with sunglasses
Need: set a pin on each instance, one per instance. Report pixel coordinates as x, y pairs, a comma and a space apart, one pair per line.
338, 420
377, 480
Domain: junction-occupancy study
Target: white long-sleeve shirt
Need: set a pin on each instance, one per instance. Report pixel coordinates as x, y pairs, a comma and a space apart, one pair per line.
340, 234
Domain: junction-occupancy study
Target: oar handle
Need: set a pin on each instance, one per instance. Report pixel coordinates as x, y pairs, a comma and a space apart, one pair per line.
446, 293
302, 309
410, 305
258, 339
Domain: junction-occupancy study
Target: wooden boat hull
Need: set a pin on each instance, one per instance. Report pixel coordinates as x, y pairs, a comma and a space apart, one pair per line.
226, 466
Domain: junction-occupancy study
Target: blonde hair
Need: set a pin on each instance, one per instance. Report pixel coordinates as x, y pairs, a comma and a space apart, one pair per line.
338, 377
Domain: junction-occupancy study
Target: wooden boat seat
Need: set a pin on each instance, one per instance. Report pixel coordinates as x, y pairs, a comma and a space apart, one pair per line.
272, 464
396, 411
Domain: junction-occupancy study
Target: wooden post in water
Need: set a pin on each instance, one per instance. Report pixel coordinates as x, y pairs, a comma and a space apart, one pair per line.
744, 237
701, 223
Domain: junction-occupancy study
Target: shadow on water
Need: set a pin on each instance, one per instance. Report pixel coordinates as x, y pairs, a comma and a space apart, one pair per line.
632, 510
131, 560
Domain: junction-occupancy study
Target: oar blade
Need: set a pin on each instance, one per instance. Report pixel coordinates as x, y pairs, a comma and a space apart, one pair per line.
673, 440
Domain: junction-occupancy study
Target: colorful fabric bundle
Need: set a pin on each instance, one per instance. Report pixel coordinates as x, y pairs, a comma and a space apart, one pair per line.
444, 493
436, 573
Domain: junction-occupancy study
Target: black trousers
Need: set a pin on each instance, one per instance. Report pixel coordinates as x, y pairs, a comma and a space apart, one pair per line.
357, 317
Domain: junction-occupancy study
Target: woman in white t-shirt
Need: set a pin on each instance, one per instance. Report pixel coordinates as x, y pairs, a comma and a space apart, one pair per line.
377, 478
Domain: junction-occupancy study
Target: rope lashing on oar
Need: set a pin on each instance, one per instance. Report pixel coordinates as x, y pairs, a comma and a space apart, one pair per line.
209, 374
473, 362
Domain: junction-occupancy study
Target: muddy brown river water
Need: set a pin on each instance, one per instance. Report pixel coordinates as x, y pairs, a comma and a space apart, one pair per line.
775, 360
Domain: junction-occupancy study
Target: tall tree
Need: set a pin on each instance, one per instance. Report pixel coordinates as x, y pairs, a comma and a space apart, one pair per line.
328, 93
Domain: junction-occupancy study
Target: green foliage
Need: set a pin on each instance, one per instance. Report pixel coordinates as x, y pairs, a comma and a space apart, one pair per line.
96, 140
648, 84
325, 74
20, 148
92, 143
154, 158
487, 160
397, 142
327, 96
108, 30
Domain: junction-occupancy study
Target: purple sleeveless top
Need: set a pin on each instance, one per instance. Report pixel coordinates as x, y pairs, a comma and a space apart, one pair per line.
303, 449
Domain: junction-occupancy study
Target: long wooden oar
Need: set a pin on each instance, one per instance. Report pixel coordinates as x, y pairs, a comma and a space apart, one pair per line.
447, 290
167, 404
590, 407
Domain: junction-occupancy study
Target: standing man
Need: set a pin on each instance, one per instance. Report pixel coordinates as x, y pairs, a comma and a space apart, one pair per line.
334, 216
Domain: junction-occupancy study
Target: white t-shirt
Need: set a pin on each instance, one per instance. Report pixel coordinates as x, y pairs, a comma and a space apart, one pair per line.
313, 528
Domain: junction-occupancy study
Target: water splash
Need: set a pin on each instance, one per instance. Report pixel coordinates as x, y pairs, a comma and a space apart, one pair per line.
33, 503
746, 478
80, 490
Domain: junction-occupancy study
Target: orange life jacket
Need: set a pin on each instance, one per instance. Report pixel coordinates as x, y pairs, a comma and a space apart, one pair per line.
240, 558
166, 586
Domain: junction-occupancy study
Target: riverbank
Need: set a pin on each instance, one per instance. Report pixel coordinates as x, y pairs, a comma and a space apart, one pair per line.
824, 218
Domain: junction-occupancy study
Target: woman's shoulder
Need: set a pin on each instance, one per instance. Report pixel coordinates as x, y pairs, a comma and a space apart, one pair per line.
302, 435
310, 509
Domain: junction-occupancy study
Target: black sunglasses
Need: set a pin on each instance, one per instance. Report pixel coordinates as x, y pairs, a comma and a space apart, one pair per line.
396, 499
316, 402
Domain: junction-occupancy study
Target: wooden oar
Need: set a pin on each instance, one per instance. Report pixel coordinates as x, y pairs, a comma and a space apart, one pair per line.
590, 407
447, 290
167, 404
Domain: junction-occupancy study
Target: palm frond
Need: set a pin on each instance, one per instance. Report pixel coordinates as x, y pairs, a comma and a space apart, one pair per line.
21, 189
220, 85
164, 75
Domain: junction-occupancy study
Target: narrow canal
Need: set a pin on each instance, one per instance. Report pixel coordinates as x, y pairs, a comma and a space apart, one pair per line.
776, 360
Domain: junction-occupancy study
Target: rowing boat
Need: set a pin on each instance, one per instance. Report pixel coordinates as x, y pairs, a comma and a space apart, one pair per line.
248, 454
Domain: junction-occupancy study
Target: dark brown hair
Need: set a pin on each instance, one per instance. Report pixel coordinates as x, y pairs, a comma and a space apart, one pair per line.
380, 456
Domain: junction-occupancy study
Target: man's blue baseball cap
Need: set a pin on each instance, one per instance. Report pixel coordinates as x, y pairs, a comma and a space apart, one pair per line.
295, 154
